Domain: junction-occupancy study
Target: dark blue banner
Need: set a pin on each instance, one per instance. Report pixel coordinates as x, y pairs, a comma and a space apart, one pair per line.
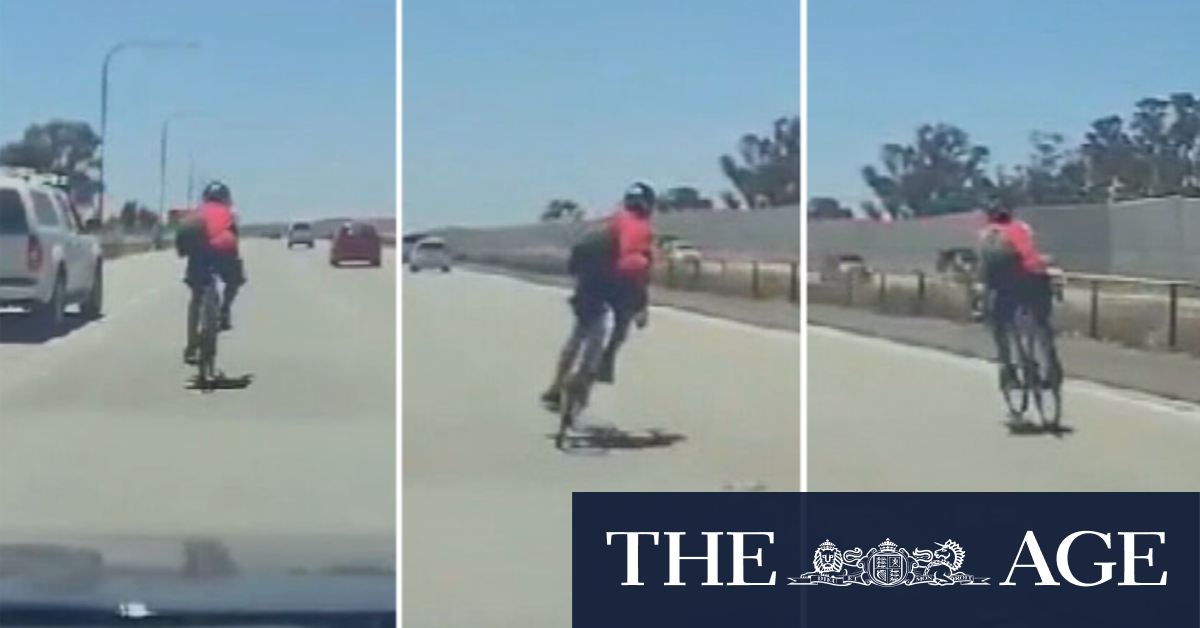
886, 559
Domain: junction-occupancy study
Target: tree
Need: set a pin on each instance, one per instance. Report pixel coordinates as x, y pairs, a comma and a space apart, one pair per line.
941, 172
871, 210
770, 166
730, 200
1054, 175
559, 210
684, 199
147, 220
61, 147
827, 208
129, 215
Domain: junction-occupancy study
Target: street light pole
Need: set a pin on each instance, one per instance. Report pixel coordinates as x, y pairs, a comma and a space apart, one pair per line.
104, 99
162, 165
191, 179
162, 172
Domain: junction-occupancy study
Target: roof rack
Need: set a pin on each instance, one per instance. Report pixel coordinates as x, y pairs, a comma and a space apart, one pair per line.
35, 176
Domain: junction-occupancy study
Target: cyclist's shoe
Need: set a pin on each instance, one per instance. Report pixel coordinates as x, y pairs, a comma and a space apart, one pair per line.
552, 398
582, 390
226, 321
1008, 377
191, 355
606, 370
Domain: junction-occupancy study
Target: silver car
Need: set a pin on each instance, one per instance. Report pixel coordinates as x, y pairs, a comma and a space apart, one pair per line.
430, 253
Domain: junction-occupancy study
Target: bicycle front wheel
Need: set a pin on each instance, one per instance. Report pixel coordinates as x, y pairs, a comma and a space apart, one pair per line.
1014, 388
1047, 381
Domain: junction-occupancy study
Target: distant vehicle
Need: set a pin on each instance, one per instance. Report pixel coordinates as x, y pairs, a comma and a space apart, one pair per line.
356, 242
430, 253
408, 242
682, 252
838, 266
301, 233
48, 259
959, 261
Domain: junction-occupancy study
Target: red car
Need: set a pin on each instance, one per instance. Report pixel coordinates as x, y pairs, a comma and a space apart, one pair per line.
356, 242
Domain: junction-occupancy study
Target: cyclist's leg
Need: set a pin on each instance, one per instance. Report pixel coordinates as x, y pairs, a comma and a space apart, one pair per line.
1004, 312
196, 277
585, 304
232, 273
624, 301
1041, 305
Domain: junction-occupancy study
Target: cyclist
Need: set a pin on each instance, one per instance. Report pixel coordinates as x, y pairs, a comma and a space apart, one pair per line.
611, 266
1014, 275
209, 239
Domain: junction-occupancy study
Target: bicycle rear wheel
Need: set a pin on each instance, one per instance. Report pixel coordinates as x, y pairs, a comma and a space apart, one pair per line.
210, 307
1014, 389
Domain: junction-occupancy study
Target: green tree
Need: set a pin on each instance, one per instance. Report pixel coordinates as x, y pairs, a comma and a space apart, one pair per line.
684, 199
63, 147
769, 171
559, 210
147, 220
730, 200
941, 172
827, 208
129, 215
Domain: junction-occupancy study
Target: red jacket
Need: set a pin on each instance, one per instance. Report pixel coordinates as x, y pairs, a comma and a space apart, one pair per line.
635, 244
1019, 235
220, 226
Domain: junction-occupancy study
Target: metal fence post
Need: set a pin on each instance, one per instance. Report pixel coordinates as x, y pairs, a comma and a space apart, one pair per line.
755, 288
1094, 313
670, 273
695, 274
794, 287
1173, 317
920, 292
882, 291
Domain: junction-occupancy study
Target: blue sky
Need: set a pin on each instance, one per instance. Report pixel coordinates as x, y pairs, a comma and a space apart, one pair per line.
510, 104
999, 69
297, 97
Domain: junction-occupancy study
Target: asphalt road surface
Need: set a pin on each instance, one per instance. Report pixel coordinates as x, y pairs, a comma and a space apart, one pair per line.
487, 497
890, 417
100, 433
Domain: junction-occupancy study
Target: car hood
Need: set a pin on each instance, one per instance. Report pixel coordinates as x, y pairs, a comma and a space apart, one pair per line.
202, 574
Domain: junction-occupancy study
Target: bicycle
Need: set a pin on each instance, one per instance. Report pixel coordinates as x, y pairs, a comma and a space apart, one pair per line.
576, 391
210, 328
1036, 372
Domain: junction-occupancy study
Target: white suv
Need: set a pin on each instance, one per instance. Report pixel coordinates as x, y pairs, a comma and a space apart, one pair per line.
47, 260
300, 233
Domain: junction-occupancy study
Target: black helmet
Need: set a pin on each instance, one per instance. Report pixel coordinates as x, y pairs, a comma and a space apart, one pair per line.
641, 196
999, 206
217, 192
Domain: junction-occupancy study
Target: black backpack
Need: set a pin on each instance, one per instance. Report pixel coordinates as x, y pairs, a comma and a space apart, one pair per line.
594, 253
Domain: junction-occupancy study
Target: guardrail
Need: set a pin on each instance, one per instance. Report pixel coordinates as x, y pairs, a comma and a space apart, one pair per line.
1135, 312
114, 245
754, 279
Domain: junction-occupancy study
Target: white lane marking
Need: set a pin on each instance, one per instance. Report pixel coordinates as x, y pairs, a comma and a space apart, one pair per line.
660, 310
1105, 391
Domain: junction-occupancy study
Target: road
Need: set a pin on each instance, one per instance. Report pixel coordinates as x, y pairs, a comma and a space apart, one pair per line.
889, 417
101, 435
487, 498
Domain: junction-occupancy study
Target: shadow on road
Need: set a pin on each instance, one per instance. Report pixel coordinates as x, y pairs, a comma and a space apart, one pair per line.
1026, 427
22, 329
604, 438
222, 382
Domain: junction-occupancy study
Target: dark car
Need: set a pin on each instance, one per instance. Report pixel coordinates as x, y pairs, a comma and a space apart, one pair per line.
356, 242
